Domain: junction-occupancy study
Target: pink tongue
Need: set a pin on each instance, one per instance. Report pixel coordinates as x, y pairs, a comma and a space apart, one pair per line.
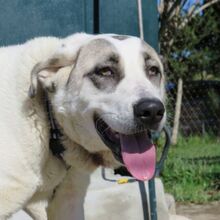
139, 155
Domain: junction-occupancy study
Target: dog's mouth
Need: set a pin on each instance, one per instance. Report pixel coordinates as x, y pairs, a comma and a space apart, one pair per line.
136, 151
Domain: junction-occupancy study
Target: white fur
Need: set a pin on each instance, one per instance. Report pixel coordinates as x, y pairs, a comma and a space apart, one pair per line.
29, 172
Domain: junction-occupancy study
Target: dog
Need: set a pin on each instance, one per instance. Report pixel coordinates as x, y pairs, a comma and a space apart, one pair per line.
105, 95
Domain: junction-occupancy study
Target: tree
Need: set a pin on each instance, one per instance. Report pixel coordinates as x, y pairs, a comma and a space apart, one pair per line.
189, 41
189, 37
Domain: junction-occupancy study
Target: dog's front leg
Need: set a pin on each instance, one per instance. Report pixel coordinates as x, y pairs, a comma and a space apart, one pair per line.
37, 206
68, 200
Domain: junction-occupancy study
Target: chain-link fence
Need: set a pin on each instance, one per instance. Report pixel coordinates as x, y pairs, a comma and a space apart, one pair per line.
199, 107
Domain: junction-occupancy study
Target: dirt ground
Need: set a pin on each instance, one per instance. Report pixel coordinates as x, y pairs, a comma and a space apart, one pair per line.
210, 211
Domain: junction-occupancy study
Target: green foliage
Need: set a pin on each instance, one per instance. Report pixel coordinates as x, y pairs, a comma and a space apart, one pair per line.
192, 170
192, 51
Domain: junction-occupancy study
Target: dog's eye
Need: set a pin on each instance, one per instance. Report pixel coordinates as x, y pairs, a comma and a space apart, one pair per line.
104, 72
153, 71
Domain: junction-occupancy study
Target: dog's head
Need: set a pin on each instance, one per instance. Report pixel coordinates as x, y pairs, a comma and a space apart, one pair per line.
107, 92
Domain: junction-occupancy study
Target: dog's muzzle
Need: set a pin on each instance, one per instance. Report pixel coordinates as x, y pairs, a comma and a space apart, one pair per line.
136, 151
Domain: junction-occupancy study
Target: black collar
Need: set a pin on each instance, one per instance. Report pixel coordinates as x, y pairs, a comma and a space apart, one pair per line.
55, 144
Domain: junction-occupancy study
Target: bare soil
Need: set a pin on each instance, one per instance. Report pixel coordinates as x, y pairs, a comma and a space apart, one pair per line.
209, 211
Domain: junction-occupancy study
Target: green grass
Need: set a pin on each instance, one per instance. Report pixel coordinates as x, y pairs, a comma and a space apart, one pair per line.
192, 169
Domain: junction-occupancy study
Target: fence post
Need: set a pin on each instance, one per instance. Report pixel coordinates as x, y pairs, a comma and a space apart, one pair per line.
177, 111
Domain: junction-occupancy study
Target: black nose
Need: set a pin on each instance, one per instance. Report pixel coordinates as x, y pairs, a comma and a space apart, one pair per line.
149, 111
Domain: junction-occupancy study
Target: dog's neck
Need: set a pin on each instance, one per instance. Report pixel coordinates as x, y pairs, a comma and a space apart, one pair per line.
77, 156
71, 153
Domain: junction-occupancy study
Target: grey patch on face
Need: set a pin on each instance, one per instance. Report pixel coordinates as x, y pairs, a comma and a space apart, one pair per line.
121, 37
152, 60
97, 57
146, 56
53, 61
149, 65
107, 83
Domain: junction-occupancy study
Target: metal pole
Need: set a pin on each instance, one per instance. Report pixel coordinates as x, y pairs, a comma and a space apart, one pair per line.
96, 26
140, 19
152, 198
144, 200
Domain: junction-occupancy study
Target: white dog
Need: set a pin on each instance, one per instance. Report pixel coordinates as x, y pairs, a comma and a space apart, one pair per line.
106, 93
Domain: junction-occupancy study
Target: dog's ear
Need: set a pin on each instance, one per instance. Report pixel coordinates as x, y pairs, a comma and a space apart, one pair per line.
44, 71
65, 55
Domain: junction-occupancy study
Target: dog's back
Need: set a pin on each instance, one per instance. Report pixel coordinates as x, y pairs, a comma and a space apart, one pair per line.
22, 122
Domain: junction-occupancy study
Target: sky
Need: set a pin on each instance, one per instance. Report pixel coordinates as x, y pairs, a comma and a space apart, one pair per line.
189, 3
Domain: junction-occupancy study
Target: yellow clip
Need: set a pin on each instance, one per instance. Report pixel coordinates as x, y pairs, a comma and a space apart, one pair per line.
122, 181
